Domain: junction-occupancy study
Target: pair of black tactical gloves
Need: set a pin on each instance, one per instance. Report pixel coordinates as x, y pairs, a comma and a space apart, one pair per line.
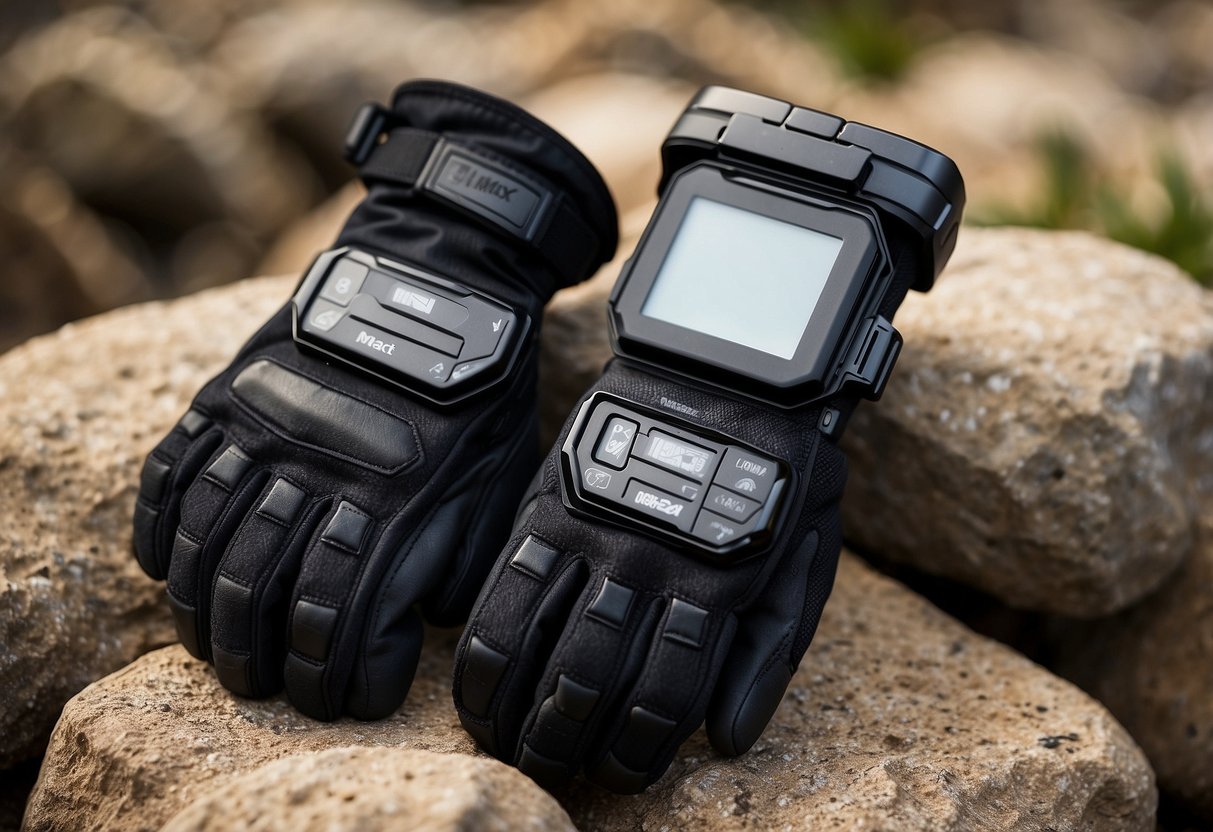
307, 516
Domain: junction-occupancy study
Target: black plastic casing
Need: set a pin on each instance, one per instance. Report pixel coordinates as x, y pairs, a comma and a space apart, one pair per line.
863, 185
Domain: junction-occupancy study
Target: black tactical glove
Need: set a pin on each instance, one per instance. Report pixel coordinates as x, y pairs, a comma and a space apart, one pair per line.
672, 559
327, 490
599, 646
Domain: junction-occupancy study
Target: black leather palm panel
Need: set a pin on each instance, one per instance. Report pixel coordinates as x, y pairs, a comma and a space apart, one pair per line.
312, 414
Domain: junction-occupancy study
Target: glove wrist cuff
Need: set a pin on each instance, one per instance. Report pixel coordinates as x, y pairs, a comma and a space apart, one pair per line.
498, 193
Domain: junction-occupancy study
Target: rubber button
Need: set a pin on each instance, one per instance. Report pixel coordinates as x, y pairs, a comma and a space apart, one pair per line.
730, 504
615, 442
813, 123
747, 473
344, 281
718, 530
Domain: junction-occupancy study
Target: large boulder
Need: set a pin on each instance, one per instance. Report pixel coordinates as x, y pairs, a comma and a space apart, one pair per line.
84, 406
1044, 437
377, 788
899, 719
1152, 667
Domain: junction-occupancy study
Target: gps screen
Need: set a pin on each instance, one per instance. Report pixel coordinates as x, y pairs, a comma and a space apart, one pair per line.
743, 277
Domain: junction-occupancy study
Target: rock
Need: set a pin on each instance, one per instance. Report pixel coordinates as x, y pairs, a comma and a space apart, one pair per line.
83, 408
589, 110
899, 718
377, 788
1150, 666
100, 97
1046, 435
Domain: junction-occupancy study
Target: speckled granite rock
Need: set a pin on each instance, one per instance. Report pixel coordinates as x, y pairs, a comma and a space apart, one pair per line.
1153, 668
83, 406
899, 719
377, 789
1046, 436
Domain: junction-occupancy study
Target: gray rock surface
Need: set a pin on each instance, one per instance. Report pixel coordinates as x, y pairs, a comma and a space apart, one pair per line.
899, 719
85, 405
1046, 436
377, 789
1152, 667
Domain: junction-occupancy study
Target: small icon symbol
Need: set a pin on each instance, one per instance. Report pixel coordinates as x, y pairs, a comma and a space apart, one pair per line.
463, 369
618, 441
413, 300
437, 369
596, 478
723, 532
326, 319
746, 484
343, 286
497, 324
690, 492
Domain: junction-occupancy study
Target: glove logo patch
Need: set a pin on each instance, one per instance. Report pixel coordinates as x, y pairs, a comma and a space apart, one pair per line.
487, 189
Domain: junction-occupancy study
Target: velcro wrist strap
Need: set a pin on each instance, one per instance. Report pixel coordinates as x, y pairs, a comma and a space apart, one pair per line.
488, 188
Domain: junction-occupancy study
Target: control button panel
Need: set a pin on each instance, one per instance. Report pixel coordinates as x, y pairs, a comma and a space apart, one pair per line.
418, 330
651, 471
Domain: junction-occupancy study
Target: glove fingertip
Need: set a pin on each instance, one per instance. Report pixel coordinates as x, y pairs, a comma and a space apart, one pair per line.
737, 718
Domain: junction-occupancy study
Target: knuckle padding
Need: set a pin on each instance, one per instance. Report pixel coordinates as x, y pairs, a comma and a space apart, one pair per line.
686, 624
312, 627
282, 504
315, 415
347, 529
482, 671
611, 605
227, 471
193, 423
534, 557
153, 480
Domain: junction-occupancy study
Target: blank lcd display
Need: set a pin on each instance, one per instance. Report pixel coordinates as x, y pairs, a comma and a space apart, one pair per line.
743, 277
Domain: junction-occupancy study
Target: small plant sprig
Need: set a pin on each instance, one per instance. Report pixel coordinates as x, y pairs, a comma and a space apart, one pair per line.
1074, 196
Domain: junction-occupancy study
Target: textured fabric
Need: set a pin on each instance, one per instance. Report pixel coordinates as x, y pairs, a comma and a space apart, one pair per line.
544, 682
301, 552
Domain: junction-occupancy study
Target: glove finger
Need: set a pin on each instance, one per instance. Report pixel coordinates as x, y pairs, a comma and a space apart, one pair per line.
771, 639
314, 672
490, 499
211, 510
253, 585
669, 698
595, 659
386, 650
167, 472
521, 612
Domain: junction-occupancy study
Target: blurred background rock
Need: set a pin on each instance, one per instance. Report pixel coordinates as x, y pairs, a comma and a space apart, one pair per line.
151, 149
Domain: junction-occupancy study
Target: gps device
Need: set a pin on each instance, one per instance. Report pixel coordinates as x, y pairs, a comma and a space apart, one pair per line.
766, 272
427, 334
672, 559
